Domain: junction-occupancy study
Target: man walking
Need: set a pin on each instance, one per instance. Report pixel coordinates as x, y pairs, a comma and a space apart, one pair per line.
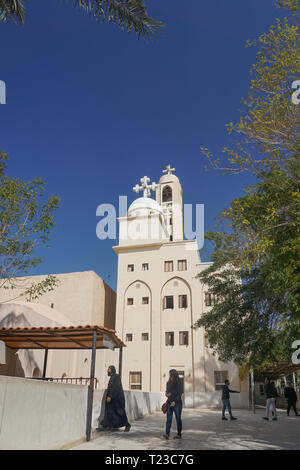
271, 395
291, 397
115, 415
226, 400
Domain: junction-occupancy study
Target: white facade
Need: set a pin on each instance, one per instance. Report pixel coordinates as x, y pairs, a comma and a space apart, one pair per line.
159, 298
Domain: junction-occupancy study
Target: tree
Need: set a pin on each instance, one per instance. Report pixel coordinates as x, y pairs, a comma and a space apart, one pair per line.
255, 270
130, 15
25, 223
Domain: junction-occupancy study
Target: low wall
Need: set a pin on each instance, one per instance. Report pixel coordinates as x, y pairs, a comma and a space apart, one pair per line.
213, 399
138, 404
41, 415
35, 414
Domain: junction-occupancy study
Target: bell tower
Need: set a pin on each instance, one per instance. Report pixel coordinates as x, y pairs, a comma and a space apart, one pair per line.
169, 197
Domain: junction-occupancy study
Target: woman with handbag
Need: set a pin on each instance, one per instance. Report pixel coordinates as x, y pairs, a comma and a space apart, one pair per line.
173, 403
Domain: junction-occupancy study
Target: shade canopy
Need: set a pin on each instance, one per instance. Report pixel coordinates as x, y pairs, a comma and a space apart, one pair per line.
70, 337
275, 371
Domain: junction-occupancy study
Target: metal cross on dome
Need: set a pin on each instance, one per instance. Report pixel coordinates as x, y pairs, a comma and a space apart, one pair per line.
169, 170
145, 186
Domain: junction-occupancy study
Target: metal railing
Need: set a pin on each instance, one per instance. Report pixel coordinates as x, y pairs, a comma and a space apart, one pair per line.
68, 380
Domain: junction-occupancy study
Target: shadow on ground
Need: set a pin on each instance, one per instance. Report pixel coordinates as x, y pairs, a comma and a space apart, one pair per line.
204, 429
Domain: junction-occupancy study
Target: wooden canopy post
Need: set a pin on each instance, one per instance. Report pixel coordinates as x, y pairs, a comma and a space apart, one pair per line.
91, 389
120, 362
45, 363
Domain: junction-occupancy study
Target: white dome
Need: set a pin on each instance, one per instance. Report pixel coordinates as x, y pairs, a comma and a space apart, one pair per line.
145, 203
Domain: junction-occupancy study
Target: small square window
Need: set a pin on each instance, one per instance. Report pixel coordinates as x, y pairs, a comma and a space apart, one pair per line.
209, 299
183, 338
168, 302
135, 380
220, 377
169, 338
182, 265
130, 268
130, 301
182, 301
145, 336
145, 300
129, 337
168, 266
145, 267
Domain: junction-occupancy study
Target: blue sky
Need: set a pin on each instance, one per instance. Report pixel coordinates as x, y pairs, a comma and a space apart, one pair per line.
91, 110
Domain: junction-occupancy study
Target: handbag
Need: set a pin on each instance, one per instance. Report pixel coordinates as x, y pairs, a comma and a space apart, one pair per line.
164, 408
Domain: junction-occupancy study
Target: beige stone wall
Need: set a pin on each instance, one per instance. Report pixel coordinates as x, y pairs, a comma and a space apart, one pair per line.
81, 298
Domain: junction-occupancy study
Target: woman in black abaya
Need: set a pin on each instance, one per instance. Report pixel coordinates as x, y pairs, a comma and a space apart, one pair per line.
115, 414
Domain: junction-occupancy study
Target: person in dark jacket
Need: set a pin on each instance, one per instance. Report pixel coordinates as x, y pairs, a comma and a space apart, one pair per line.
291, 397
174, 403
271, 395
115, 415
226, 400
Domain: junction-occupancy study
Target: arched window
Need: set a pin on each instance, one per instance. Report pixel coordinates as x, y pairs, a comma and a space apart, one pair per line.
167, 194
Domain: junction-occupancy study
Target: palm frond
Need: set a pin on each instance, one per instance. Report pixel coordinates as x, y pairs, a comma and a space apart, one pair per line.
130, 15
12, 9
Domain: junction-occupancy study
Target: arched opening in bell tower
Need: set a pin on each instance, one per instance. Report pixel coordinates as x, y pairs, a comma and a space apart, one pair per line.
167, 194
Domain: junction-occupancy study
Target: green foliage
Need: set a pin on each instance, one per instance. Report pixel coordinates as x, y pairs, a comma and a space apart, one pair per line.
25, 223
255, 274
12, 9
130, 15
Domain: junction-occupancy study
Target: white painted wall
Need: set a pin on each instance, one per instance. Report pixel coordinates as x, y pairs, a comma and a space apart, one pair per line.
213, 400
137, 403
40, 415
44, 415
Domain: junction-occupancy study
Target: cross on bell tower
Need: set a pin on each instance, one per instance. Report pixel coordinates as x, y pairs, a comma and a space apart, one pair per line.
145, 187
169, 170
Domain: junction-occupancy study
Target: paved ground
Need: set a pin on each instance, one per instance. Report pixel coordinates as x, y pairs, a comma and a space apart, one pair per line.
203, 429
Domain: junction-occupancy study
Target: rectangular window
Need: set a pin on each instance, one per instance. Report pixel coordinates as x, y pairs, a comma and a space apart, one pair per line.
220, 377
145, 267
135, 380
182, 265
206, 342
168, 266
170, 338
129, 301
145, 300
145, 336
130, 267
129, 337
183, 338
182, 301
168, 302
209, 299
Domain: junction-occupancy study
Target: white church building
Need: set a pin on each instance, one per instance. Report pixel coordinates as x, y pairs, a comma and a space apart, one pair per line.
159, 299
